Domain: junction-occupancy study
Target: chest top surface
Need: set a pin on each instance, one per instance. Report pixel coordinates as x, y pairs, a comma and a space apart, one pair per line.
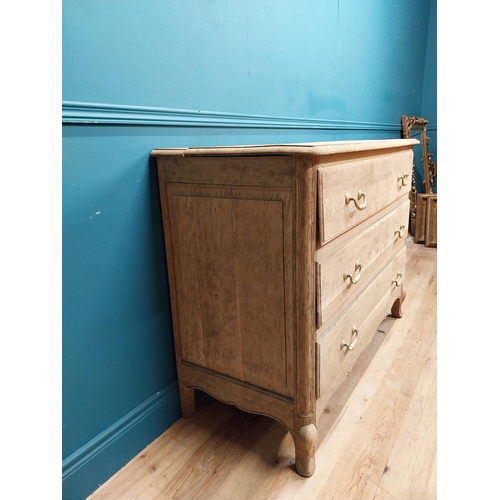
305, 148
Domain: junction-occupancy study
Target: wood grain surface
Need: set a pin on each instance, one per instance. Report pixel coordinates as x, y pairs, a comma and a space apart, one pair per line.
377, 433
375, 175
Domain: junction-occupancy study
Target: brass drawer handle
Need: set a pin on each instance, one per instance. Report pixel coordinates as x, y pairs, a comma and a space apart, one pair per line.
398, 280
404, 178
361, 196
401, 231
356, 275
352, 345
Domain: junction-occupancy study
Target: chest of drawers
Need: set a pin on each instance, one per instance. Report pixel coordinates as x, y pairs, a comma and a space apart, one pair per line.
282, 262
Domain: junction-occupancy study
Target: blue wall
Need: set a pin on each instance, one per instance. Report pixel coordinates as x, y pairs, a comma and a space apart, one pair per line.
139, 76
429, 90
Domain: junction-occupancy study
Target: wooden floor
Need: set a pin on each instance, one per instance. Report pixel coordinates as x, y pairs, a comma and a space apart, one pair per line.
377, 435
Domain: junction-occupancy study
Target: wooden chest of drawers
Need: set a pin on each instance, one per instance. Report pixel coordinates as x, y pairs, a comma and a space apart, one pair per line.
282, 262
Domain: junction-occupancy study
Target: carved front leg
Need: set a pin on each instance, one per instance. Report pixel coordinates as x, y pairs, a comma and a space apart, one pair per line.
305, 440
304, 432
397, 307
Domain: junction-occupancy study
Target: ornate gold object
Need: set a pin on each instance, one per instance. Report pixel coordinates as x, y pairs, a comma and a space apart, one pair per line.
361, 196
398, 280
357, 273
431, 221
410, 123
354, 336
401, 231
420, 217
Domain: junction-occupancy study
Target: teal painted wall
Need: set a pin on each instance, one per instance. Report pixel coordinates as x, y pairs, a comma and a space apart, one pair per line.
429, 85
190, 73
353, 60
428, 108
429, 88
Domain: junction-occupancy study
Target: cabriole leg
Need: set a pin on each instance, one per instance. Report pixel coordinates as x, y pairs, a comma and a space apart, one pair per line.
305, 439
397, 307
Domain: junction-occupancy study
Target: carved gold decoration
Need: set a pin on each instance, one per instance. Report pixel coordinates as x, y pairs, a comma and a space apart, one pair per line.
420, 218
426, 219
431, 221
410, 123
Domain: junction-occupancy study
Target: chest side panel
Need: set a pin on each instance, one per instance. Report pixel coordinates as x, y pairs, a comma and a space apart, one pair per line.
232, 259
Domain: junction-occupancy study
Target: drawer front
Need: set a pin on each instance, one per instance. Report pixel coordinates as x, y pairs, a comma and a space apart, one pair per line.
343, 273
333, 361
352, 190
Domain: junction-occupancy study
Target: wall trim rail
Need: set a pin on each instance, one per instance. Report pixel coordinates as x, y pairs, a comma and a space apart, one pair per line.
99, 113
102, 456
113, 432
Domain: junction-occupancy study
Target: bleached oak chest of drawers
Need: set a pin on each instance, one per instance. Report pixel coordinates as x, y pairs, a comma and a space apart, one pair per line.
282, 262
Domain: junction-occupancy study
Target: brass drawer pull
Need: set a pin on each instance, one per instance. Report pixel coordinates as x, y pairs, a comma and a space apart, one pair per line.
401, 231
361, 196
398, 280
404, 178
352, 345
356, 275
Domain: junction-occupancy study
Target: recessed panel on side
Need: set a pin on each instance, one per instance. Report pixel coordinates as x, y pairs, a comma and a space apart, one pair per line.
233, 269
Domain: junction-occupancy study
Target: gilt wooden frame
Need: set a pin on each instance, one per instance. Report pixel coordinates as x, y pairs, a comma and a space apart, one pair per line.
410, 123
431, 221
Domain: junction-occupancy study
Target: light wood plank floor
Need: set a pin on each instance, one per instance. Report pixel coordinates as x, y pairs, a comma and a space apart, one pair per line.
377, 435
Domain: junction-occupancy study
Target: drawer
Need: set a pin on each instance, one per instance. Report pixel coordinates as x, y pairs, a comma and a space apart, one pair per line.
333, 361
352, 190
341, 273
